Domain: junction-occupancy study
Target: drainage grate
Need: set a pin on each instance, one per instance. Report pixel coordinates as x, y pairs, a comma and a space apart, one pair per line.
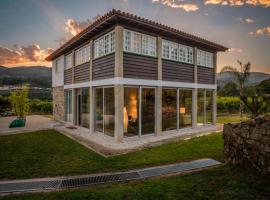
29, 186
64, 183
76, 182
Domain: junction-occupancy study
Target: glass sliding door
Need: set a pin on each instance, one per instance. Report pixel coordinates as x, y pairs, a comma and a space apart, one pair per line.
209, 106
85, 107
201, 107
148, 110
99, 109
169, 109
185, 108
109, 111
131, 111
68, 105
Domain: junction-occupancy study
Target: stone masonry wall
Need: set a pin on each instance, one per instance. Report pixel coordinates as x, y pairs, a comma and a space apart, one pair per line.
248, 144
58, 103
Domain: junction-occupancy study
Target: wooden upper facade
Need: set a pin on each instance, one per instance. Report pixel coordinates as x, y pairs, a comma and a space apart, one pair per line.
176, 52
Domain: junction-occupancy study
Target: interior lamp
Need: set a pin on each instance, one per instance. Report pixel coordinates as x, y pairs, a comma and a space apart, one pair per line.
125, 119
182, 110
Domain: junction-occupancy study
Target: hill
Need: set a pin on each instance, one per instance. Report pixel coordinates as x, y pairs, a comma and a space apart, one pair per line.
37, 76
255, 78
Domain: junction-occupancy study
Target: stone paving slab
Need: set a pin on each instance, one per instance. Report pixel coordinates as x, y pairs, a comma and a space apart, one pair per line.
33, 123
60, 183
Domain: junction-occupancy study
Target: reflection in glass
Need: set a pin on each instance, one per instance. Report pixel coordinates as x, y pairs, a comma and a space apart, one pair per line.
209, 106
131, 111
169, 109
85, 107
99, 109
148, 110
200, 109
68, 105
109, 111
185, 108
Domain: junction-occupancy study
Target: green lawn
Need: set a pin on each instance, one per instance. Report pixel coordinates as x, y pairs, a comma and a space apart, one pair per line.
48, 153
222, 183
221, 119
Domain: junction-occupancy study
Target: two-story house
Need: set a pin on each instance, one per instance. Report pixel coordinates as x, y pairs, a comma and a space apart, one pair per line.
127, 76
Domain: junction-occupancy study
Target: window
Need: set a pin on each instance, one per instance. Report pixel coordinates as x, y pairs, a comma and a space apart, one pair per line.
68, 105
205, 107
68, 61
204, 58
82, 55
57, 65
85, 107
177, 52
139, 43
104, 45
169, 109
200, 107
185, 108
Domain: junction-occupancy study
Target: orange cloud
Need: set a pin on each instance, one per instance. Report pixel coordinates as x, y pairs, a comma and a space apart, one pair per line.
24, 55
261, 31
174, 4
249, 20
265, 3
235, 50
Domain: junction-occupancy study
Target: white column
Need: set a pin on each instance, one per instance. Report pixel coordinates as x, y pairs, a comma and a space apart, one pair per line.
214, 114
195, 90
91, 92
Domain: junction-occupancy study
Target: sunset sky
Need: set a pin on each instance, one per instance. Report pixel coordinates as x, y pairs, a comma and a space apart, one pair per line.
32, 29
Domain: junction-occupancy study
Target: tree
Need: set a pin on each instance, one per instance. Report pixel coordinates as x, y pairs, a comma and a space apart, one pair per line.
229, 90
256, 101
265, 86
240, 78
20, 102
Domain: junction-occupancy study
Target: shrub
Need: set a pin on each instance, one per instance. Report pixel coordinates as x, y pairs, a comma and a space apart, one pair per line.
41, 106
228, 104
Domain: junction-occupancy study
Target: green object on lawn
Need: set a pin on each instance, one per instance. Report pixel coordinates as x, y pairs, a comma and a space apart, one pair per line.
17, 123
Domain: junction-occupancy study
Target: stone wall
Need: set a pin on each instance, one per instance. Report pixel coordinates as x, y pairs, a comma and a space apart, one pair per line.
58, 103
248, 144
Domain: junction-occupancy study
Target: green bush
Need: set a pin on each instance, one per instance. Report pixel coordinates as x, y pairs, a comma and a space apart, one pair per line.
41, 106
5, 104
228, 104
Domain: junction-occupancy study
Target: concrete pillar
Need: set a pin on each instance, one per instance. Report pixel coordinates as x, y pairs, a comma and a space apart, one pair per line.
214, 114
159, 89
119, 113
119, 38
74, 109
91, 92
195, 90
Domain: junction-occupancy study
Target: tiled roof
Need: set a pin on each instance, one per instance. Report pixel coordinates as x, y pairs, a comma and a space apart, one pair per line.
138, 19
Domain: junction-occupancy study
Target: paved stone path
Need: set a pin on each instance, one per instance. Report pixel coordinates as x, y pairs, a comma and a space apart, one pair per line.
60, 183
33, 123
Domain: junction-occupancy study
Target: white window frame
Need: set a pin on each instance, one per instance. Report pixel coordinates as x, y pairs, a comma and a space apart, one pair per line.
177, 52
104, 45
82, 55
68, 61
139, 43
205, 58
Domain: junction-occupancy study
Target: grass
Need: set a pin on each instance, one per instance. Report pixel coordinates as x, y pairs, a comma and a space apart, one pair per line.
222, 183
221, 119
49, 153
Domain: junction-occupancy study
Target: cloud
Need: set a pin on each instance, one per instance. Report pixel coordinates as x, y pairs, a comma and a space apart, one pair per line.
261, 31
235, 50
247, 20
264, 3
188, 7
23, 55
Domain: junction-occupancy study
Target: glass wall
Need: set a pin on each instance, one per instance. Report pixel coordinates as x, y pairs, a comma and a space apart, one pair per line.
68, 105
85, 107
109, 111
148, 110
131, 111
99, 109
185, 108
209, 106
200, 109
169, 109
104, 110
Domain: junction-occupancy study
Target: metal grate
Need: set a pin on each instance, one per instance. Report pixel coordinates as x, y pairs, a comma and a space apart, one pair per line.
63, 183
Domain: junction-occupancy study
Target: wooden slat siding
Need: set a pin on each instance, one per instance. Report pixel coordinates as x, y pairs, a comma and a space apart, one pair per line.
175, 71
140, 67
104, 67
206, 75
82, 73
68, 76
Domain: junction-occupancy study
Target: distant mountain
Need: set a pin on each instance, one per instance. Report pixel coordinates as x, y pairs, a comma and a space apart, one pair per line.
25, 72
255, 78
37, 76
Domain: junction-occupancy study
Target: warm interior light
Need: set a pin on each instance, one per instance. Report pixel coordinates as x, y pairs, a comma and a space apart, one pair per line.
125, 119
182, 110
